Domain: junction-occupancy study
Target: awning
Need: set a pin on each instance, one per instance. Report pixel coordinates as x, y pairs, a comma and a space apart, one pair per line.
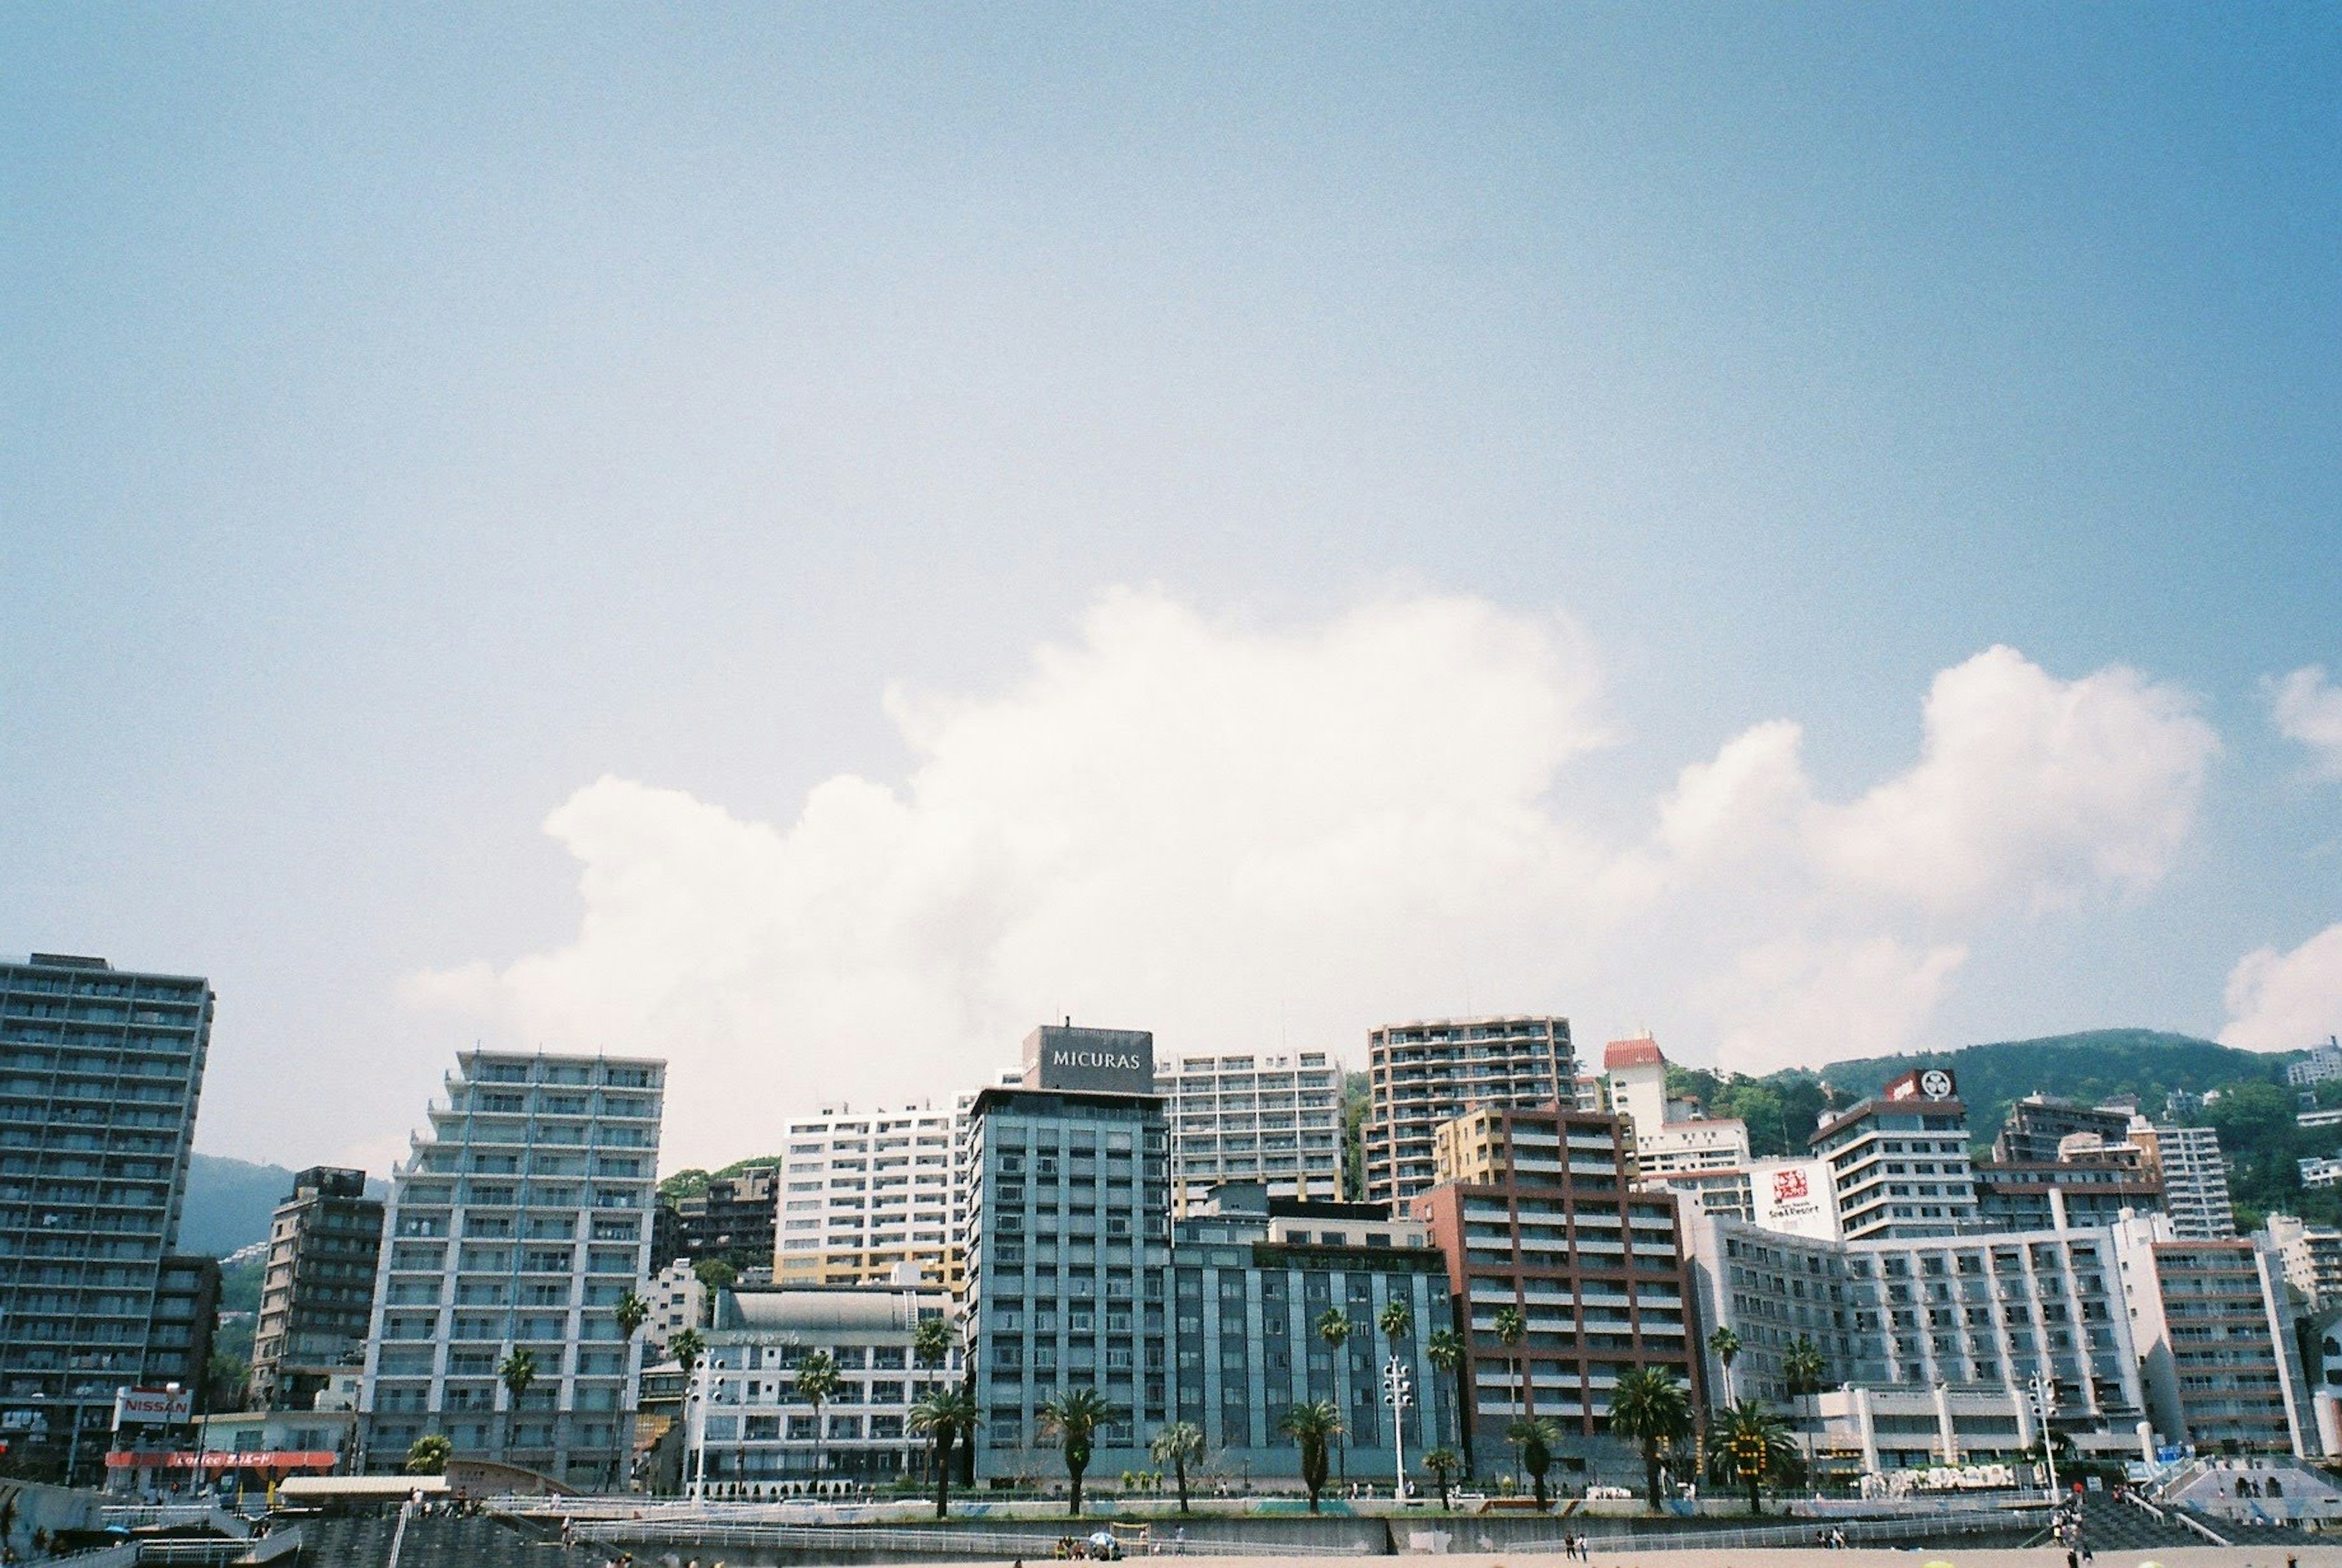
213, 1459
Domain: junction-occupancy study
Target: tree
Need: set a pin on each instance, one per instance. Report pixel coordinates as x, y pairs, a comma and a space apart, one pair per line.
1752, 1446
630, 1311
1726, 1346
1178, 1445
1535, 1438
1397, 1323
688, 1347
1651, 1408
429, 1454
1334, 1328
945, 1414
1444, 1348
818, 1383
716, 1273
1803, 1367
931, 1342
1074, 1416
1511, 1328
1312, 1426
517, 1372
1445, 1464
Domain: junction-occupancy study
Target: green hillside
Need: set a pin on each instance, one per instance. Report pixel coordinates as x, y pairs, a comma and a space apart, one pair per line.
691, 1183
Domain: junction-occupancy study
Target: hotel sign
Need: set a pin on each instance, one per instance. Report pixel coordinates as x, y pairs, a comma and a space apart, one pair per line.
1099, 1060
1794, 1198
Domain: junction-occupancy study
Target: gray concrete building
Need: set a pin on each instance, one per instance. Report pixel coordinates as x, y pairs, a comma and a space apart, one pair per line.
101, 1072
1430, 1072
317, 1288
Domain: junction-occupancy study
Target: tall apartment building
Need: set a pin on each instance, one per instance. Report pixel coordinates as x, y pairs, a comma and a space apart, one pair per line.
677, 1301
1432, 1071
1899, 1162
1252, 1279
1273, 1117
2215, 1342
101, 1071
2311, 1256
2195, 1179
516, 1224
2322, 1065
317, 1288
1068, 1245
1541, 1216
863, 1191
2088, 1187
732, 1218
1926, 1343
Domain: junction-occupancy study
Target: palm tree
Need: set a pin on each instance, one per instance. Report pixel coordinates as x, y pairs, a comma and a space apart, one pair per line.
1726, 1346
1334, 1328
1803, 1367
1445, 1464
687, 1346
1397, 1322
1074, 1416
931, 1342
1177, 1445
818, 1383
1752, 1445
1511, 1329
1536, 1439
517, 1372
944, 1415
1444, 1348
631, 1311
1650, 1407
429, 1454
1312, 1426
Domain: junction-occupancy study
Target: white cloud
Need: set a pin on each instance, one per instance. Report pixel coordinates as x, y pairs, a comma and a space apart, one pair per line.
2286, 1000
1228, 835
2307, 708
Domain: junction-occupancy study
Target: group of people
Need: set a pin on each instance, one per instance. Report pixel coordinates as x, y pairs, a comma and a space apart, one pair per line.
1833, 1537
2067, 1522
1577, 1548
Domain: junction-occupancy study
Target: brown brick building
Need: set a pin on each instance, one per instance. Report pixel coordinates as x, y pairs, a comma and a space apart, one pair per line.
1539, 1213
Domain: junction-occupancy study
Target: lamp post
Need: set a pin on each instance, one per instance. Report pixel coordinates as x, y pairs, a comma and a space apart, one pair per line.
2043, 1395
1399, 1392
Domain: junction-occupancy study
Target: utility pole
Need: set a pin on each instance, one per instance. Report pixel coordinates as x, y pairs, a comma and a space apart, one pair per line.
1399, 1392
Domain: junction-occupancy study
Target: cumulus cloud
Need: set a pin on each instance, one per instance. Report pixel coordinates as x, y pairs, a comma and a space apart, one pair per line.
2286, 1000
2307, 708
1232, 835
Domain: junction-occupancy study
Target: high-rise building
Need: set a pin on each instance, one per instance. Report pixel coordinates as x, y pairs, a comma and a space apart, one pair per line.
1432, 1071
514, 1226
2322, 1065
2195, 1179
863, 1191
1254, 1278
731, 1218
101, 1071
317, 1288
2216, 1349
1069, 1244
1899, 1162
2311, 1256
1542, 1218
1273, 1117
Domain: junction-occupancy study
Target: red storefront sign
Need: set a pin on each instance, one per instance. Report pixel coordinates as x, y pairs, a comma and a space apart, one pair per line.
225, 1459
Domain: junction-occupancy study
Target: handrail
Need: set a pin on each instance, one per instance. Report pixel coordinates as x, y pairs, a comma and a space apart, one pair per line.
398, 1536
2198, 1525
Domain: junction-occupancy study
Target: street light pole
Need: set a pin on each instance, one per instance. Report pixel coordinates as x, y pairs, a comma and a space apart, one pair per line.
2045, 1400
1399, 1392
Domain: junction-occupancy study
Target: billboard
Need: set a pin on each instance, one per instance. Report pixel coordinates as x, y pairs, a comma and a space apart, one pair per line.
1793, 1197
1099, 1060
158, 1405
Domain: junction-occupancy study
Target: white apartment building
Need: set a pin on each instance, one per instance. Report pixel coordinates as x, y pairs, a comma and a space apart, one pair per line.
1899, 1162
2312, 1258
1273, 1117
1926, 1344
2322, 1065
2195, 1179
863, 1191
1432, 1071
516, 1224
1703, 1160
677, 1301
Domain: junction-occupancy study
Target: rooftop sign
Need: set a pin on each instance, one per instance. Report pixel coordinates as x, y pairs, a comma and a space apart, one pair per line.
1098, 1061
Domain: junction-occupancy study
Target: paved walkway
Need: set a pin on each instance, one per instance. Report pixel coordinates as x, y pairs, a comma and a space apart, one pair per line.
2307, 1557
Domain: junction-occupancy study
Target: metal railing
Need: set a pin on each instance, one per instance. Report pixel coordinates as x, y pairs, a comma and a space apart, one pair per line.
963, 1543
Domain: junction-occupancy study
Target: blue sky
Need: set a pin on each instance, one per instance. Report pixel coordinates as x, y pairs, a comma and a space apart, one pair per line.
409, 421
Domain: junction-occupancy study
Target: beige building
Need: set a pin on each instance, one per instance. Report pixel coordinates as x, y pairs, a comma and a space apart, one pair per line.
863, 1191
1432, 1071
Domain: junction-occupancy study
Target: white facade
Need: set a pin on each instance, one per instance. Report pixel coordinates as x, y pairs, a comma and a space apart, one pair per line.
1899, 1163
2312, 1258
2195, 1179
516, 1224
1682, 1148
1273, 1117
1427, 1073
677, 1301
2322, 1065
863, 1191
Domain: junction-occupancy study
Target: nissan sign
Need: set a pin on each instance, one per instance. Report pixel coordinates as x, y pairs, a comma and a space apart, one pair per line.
1100, 1061
159, 1406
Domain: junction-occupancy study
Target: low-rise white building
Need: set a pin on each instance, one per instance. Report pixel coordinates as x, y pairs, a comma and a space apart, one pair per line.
677, 1301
